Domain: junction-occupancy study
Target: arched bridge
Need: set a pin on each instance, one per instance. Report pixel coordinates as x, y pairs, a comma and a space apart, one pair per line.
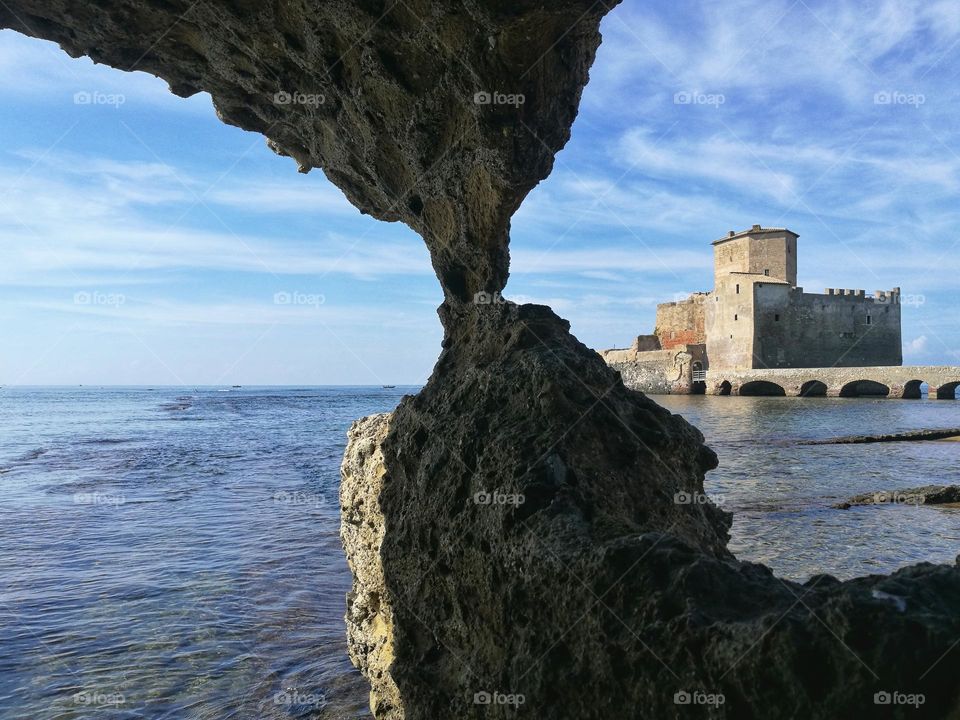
895, 382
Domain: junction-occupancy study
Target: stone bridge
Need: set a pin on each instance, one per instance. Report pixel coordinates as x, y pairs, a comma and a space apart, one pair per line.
894, 382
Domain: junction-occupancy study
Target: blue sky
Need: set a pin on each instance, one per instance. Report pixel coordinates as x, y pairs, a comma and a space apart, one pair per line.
144, 242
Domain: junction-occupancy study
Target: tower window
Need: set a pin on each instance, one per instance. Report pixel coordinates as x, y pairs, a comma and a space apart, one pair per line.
776, 318
869, 320
766, 272
738, 288
736, 317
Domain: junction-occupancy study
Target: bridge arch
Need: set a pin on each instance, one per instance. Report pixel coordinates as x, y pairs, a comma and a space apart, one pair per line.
725, 388
813, 388
864, 388
948, 391
913, 390
762, 388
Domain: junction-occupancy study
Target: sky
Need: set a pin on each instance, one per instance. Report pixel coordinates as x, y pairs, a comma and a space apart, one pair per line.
144, 242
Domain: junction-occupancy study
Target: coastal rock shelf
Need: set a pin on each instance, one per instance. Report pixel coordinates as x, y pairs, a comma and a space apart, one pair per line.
528, 537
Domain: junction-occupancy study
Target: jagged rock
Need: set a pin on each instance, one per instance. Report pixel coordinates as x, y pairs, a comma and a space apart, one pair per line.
528, 537
547, 540
925, 495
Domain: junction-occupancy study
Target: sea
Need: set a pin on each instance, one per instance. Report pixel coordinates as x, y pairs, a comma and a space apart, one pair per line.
174, 552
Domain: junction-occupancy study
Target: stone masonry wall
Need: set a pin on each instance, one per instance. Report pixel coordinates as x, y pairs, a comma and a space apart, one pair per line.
682, 323
659, 372
796, 329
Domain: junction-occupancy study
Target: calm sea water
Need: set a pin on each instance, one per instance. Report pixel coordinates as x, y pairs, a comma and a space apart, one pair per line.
174, 553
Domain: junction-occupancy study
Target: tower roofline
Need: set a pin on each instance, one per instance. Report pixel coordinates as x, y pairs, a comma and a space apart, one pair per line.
755, 230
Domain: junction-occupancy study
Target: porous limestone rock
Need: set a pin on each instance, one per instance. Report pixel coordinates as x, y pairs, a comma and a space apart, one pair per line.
548, 552
528, 537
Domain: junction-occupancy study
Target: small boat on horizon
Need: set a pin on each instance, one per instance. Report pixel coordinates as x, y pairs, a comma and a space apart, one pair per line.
389, 387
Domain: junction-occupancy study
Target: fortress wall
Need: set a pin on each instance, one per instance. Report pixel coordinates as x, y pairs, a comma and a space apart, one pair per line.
681, 323
728, 322
824, 330
659, 372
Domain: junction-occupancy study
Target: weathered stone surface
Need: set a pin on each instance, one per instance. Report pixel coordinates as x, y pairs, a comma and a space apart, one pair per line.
607, 590
526, 525
370, 635
925, 495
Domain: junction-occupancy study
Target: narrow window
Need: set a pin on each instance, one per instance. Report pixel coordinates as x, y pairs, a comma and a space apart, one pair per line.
766, 272
869, 320
738, 288
736, 317
776, 318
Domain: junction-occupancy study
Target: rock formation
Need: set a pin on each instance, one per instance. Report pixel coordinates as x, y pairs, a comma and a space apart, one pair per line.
925, 495
528, 537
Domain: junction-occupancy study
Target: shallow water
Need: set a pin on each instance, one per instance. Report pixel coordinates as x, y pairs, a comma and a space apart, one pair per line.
174, 553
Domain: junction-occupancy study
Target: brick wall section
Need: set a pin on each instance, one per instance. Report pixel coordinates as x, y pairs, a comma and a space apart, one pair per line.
681, 323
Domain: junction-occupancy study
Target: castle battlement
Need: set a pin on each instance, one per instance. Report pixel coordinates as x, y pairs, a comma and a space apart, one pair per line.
757, 317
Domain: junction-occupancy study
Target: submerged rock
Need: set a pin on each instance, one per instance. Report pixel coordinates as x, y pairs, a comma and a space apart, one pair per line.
912, 436
925, 495
528, 537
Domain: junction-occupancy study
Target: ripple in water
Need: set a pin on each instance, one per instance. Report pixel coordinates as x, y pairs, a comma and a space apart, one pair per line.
158, 568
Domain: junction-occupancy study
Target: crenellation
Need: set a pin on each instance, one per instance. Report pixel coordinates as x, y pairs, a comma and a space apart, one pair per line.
758, 317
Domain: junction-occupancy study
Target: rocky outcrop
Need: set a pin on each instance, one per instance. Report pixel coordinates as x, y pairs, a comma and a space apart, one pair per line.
548, 552
528, 537
925, 495
912, 436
